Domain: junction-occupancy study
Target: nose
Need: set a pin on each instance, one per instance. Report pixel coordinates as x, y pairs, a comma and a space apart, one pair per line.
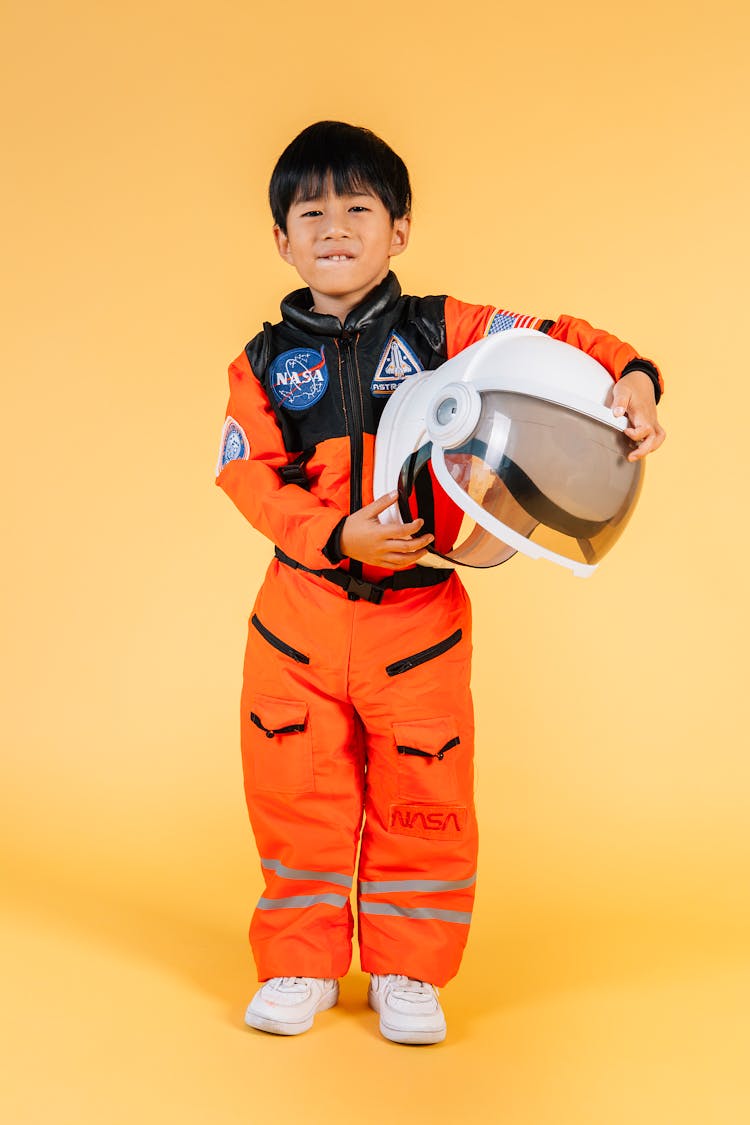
337, 219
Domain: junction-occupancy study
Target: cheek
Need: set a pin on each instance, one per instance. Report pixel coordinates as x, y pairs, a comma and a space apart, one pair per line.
300, 254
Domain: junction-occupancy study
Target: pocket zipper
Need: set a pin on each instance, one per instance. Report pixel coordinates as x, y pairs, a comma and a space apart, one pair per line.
426, 654
426, 754
293, 729
277, 642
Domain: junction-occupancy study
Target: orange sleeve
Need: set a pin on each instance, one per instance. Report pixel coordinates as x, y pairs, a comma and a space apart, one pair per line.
465, 324
291, 517
613, 354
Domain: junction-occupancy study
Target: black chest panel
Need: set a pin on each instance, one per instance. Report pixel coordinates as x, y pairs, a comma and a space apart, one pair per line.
328, 384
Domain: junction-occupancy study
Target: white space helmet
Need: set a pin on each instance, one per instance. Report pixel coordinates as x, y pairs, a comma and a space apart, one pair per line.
507, 447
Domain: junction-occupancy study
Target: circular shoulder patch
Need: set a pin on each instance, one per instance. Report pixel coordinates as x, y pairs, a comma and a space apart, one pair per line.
298, 378
234, 445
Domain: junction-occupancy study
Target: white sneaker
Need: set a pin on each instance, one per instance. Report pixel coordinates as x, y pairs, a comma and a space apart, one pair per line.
409, 1009
287, 1005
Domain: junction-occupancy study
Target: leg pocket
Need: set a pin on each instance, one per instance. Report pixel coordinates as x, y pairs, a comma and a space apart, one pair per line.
279, 744
426, 759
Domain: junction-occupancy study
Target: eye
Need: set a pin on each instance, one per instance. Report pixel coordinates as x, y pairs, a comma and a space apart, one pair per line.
310, 214
359, 207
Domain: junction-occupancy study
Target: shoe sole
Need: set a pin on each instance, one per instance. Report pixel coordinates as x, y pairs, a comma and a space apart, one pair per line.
411, 1038
285, 1027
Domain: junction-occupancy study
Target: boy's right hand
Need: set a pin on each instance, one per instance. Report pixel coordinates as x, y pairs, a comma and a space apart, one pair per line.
365, 538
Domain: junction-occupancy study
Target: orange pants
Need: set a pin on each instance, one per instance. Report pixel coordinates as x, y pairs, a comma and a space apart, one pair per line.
350, 708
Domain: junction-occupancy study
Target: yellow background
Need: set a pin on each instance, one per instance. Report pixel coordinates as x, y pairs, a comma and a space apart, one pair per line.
580, 158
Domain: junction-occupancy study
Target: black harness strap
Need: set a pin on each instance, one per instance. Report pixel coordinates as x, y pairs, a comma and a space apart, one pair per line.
356, 588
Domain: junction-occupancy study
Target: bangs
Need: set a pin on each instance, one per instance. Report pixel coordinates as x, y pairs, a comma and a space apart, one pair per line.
346, 157
345, 180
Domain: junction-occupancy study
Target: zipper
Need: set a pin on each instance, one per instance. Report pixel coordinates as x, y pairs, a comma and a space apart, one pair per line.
424, 655
294, 728
426, 754
277, 642
353, 406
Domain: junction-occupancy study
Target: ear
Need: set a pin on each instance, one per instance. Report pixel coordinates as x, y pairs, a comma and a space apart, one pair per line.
400, 235
282, 245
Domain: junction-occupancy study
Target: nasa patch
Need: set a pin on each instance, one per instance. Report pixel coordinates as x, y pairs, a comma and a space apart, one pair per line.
234, 445
298, 378
395, 364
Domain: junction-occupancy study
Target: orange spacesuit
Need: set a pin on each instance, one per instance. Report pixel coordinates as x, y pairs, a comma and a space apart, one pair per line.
356, 689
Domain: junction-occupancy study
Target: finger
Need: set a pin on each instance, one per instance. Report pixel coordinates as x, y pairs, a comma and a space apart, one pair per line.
648, 445
639, 433
402, 562
405, 547
391, 531
407, 530
380, 505
620, 400
644, 448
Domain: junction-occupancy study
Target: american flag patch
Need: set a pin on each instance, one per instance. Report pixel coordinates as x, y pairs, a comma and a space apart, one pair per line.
502, 320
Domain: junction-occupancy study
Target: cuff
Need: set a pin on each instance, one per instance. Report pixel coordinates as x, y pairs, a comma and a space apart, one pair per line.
648, 368
332, 549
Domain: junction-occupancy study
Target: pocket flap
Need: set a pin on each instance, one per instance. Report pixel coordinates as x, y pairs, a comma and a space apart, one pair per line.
278, 714
429, 737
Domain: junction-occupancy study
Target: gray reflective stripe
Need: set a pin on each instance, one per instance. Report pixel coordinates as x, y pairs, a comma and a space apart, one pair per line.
416, 885
314, 876
461, 916
297, 902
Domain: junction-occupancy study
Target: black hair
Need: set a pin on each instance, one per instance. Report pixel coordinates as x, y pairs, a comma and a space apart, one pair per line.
354, 158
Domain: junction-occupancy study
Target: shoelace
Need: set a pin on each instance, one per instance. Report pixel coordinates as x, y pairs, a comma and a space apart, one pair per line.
400, 980
287, 983
291, 982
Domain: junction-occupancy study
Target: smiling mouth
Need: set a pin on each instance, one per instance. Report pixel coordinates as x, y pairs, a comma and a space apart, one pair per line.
336, 257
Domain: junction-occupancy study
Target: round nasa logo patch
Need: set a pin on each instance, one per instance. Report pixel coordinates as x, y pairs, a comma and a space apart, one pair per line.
298, 378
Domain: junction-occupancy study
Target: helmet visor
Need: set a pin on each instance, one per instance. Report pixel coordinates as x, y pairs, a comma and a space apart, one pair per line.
550, 474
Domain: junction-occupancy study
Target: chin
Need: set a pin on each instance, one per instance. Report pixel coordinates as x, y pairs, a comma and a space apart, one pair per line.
339, 287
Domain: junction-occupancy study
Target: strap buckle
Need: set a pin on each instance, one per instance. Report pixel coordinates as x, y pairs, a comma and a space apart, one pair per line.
357, 588
294, 474
296, 471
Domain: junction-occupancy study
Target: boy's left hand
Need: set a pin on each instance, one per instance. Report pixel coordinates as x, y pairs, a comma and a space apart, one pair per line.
633, 395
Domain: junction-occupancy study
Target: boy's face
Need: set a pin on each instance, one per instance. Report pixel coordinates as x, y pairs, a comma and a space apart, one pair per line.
341, 246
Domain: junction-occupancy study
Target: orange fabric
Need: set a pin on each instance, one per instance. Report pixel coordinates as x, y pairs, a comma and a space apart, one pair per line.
298, 521
305, 788
465, 324
613, 354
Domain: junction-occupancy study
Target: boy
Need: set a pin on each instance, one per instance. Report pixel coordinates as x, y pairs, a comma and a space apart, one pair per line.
356, 687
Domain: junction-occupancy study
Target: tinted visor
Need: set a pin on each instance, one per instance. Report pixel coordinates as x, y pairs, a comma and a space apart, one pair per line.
549, 473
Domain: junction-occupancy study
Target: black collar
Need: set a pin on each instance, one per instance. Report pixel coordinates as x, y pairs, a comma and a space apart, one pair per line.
295, 310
